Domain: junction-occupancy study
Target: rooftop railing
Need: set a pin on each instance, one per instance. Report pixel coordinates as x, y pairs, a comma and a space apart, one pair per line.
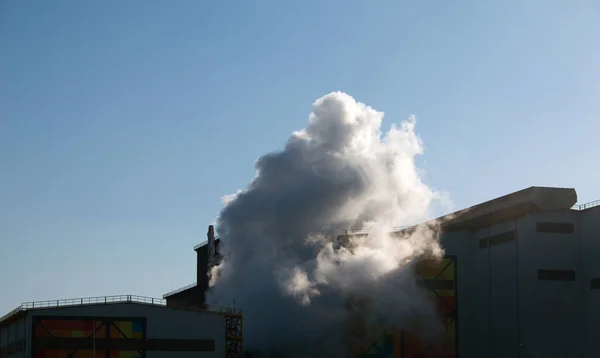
180, 289
362, 232
586, 205
74, 302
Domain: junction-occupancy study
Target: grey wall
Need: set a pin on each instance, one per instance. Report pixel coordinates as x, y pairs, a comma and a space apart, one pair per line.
487, 291
161, 322
457, 243
11, 334
551, 310
479, 275
590, 231
503, 290
505, 310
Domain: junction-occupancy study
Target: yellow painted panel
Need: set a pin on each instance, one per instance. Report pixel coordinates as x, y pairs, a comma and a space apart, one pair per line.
443, 269
448, 272
428, 269
126, 328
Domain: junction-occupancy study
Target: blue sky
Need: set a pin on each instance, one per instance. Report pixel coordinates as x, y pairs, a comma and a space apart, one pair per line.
122, 123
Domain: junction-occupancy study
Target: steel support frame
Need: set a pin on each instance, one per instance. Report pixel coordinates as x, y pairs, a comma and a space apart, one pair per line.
452, 318
233, 335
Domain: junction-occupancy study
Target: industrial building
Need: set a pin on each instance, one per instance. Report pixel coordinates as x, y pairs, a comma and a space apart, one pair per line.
119, 327
207, 255
520, 279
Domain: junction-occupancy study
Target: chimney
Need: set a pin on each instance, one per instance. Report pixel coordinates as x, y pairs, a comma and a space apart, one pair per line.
210, 247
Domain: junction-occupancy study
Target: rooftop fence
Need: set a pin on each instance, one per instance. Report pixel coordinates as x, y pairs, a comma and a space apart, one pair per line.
586, 205
181, 289
75, 302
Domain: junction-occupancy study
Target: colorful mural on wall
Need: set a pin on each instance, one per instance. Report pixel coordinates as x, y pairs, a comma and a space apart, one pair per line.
69, 337
439, 278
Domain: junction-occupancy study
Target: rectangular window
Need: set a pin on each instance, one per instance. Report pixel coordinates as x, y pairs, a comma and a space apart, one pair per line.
555, 227
556, 275
497, 239
595, 283
501, 238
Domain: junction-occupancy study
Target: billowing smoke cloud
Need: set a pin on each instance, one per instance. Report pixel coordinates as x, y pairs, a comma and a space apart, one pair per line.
302, 287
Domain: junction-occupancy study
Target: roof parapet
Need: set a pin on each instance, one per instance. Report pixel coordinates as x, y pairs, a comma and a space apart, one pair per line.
178, 290
509, 206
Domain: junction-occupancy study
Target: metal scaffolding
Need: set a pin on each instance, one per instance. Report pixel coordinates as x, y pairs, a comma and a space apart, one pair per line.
233, 334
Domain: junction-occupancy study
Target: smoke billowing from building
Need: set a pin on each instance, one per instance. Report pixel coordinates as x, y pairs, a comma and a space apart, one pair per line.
285, 265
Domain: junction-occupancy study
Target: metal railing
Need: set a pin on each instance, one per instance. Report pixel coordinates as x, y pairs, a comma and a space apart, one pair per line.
181, 289
73, 302
211, 308
93, 301
362, 232
586, 206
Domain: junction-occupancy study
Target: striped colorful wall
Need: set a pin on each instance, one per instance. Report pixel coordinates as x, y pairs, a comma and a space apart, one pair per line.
439, 278
70, 329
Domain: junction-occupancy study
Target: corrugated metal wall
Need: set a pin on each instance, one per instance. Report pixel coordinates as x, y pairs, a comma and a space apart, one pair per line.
13, 340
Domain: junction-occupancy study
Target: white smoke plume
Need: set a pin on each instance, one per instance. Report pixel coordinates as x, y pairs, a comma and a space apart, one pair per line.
284, 263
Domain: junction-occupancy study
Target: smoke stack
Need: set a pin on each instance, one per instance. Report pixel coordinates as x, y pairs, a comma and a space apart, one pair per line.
210, 247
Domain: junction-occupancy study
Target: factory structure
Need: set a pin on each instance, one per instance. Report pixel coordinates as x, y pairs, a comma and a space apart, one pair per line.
126, 326
113, 327
520, 278
207, 256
